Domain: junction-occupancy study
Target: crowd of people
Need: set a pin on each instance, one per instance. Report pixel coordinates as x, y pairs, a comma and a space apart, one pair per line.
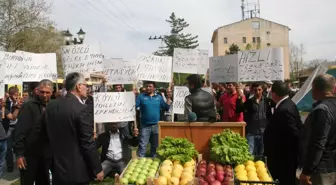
59, 136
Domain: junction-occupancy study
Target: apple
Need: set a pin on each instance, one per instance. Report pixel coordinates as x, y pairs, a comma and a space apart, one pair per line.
211, 172
211, 167
132, 180
216, 183
138, 170
226, 183
127, 175
203, 162
145, 172
219, 177
140, 182
201, 172
219, 167
201, 179
124, 181
210, 179
220, 172
202, 166
149, 160
204, 183
141, 176
228, 170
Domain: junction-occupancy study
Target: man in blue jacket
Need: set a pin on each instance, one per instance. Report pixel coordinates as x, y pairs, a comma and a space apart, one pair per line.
150, 105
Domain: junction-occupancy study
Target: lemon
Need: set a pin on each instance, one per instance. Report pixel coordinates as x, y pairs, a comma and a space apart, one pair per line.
249, 163
250, 168
239, 167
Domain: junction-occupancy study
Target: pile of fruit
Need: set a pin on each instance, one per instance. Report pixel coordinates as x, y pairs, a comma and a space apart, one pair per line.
252, 171
173, 173
139, 170
214, 174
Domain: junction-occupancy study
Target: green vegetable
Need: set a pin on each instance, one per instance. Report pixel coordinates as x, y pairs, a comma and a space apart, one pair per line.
176, 149
229, 148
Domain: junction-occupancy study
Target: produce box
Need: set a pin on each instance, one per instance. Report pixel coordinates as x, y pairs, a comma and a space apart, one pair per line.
211, 173
179, 174
254, 173
138, 171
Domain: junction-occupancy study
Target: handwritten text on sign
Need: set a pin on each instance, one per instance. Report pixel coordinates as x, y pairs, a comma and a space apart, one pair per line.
39, 67
2, 78
223, 68
14, 66
192, 61
261, 65
82, 58
154, 68
114, 107
119, 71
180, 92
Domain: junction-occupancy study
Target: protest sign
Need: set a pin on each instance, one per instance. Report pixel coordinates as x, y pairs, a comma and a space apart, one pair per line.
154, 68
180, 92
14, 63
41, 66
119, 71
261, 65
193, 61
2, 78
223, 68
114, 107
82, 58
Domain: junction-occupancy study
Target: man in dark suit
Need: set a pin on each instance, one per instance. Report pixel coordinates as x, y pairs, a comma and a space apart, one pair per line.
115, 143
70, 133
281, 136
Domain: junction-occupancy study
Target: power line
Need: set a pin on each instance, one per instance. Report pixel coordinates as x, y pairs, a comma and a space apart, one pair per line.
110, 1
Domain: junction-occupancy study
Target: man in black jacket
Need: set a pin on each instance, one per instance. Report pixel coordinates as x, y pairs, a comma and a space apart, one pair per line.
257, 111
199, 101
281, 136
30, 146
319, 135
70, 133
115, 143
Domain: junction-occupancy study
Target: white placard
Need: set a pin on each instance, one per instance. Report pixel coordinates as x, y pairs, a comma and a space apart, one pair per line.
14, 67
2, 78
193, 61
154, 68
119, 71
261, 65
41, 66
114, 107
180, 92
224, 68
82, 58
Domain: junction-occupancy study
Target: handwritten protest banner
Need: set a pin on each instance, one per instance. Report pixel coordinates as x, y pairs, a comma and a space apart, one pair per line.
261, 65
39, 67
2, 78
82, 58
119, 71
193, 61
114, 107
154, 68
180, 92
223, 68
14, 67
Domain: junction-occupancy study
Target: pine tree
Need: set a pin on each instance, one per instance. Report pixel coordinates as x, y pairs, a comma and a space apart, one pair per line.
177, 39
233, 49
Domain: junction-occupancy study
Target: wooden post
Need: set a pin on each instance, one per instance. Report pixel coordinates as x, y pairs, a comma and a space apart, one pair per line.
135, 120
3, 107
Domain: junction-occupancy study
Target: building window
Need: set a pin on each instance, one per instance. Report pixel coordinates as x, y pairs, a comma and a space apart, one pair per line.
255, 24
268, 44
225, 40
258, 39
268, 32
244, 39
254, 39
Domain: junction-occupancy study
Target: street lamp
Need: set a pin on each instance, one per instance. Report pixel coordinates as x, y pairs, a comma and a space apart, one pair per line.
68, 37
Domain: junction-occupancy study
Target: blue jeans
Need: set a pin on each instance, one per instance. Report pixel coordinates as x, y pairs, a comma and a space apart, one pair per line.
3, 149
256, 144
148, 133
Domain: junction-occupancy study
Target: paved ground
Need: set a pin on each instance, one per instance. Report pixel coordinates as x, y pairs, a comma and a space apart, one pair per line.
10, 178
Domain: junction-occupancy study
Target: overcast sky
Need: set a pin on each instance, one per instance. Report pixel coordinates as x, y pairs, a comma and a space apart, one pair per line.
122, 27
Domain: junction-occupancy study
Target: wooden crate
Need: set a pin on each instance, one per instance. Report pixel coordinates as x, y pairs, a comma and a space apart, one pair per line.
198, 133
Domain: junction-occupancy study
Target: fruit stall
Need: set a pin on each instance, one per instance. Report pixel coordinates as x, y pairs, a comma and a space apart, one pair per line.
199, 133
179, 162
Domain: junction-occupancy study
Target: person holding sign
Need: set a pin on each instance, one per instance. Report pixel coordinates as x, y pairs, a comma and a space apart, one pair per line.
199, 101
70, 133
150, 105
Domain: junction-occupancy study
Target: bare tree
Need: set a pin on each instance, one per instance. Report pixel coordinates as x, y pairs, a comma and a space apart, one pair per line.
296, 63
17, 15
316, 62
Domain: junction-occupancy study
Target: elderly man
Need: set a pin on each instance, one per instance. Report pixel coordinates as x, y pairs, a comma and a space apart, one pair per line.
319, 135
69, 129
30, 144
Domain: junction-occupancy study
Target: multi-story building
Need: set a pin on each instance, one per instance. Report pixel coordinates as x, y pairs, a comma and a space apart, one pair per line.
253, 33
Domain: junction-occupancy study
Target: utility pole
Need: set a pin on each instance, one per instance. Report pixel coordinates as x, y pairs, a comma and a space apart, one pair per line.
157, 38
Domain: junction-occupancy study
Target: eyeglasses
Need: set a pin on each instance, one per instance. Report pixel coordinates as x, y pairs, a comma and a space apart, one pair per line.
86, 85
